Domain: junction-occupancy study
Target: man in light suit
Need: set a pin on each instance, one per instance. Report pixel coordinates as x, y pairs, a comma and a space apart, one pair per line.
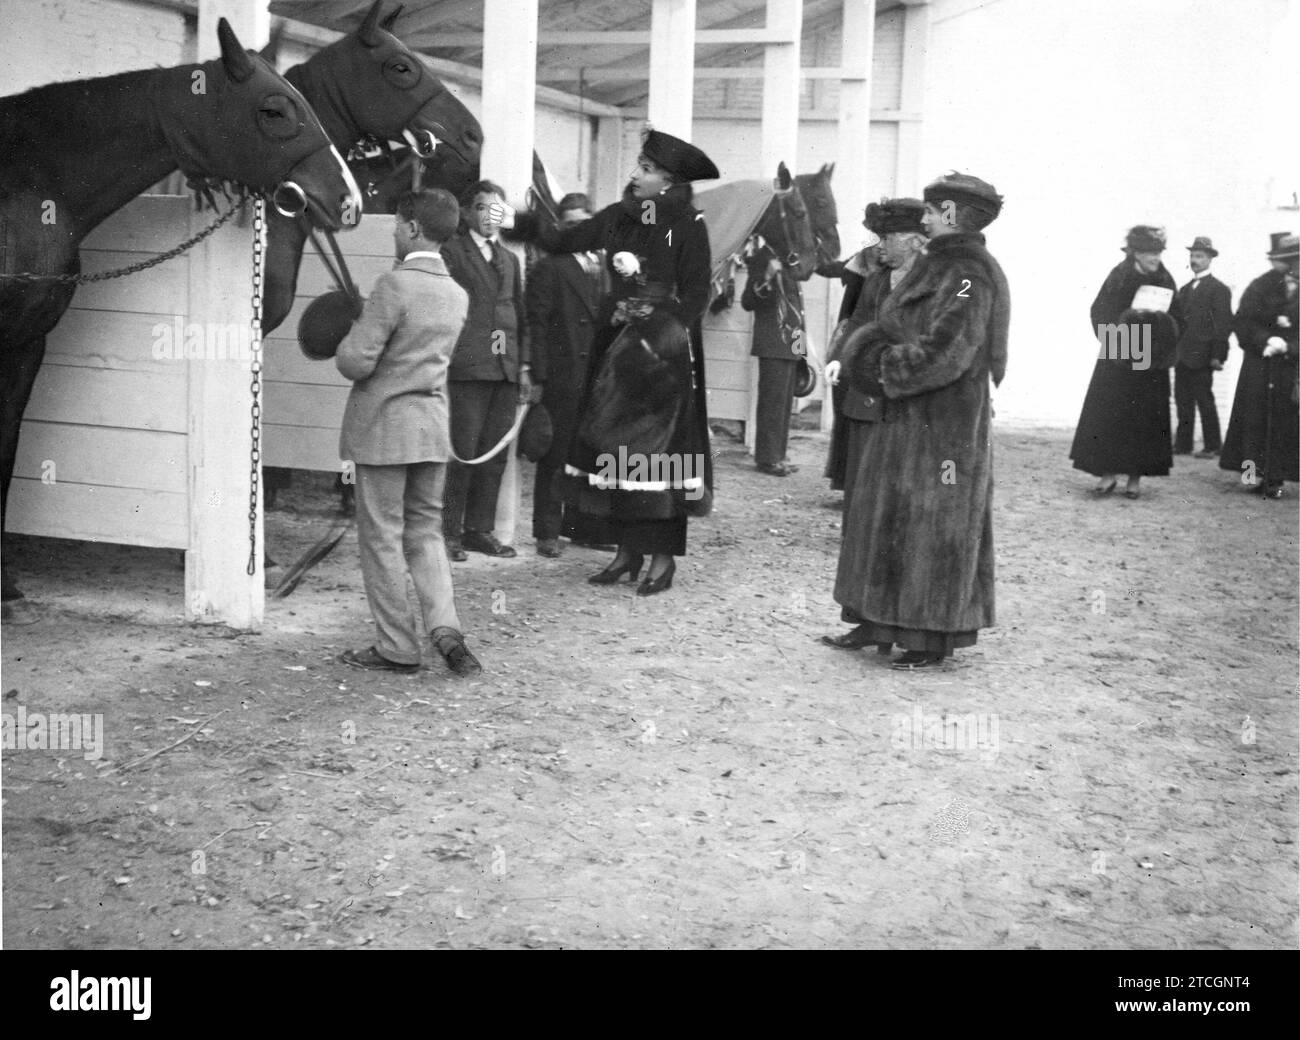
395, 432
1206, 305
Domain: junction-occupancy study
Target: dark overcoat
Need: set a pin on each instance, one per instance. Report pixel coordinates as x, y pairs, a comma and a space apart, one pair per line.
777, 305
1206, 311
1124, 424
496, 305
563, 302
918, 541
1264, 427
634, 399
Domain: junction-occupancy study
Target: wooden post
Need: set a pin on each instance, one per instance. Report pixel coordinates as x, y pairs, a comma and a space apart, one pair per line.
217, 585
916, 38
780, 127
853, 145
672, 67
509, 114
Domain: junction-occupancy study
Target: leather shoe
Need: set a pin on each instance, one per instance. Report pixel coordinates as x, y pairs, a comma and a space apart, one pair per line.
451, 644
652, 586
548, 547
854, 639
775, 469
456, 552
374, 661
1207, 453
486, 542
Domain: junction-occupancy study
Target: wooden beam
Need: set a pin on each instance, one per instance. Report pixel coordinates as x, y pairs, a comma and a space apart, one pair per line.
672, 66
780, 132
509, 124
609, 74
217, 585
619, 38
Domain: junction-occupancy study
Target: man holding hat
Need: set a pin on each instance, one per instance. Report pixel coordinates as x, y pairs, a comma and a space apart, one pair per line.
916, 563
1205, 304
395, 431
1264, 430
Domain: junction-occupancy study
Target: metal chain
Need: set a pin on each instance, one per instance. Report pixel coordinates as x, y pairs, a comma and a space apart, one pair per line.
255, 449
143, 265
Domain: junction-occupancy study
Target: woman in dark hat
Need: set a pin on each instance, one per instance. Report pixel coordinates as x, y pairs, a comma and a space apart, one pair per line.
640, 460
1261, 446
1124, 424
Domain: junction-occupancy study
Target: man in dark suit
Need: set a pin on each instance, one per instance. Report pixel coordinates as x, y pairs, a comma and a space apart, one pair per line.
564, 292
1206, 305
774, 295
489, 370
395, 431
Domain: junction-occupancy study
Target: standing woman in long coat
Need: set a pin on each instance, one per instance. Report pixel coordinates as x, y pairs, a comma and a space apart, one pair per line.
1124, 424
1265, 427
640, 460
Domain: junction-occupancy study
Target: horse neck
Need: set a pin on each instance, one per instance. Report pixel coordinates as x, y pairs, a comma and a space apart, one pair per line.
100, 139
321, 88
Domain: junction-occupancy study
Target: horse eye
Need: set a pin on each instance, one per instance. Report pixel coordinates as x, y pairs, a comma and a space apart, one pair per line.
274, 113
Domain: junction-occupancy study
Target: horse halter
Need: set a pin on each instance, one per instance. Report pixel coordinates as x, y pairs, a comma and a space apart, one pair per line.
793, 257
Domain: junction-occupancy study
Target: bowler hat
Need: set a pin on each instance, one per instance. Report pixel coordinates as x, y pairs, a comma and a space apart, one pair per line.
680, 158
1145, 238
894, 215
325, 322
1202, 244
805, 378
1285, 246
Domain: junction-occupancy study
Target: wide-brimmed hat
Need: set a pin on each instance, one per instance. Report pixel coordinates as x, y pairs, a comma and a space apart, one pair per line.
680, 158
1202, 244
1145, 238
1285, 246
325, 322
894, 215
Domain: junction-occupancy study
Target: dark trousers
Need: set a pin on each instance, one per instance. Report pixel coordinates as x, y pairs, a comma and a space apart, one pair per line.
776, 378
1193, 389
482, 412
561, 397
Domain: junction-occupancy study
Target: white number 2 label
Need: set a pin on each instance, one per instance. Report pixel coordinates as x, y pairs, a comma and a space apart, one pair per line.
965, 284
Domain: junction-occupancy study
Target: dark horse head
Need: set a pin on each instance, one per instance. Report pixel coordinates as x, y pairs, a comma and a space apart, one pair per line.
238, 120
822, 211
787, 229
371, 85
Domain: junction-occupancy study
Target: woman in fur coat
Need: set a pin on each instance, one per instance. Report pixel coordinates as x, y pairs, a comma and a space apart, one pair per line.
1265, 428
1124, 424
916, 561
640, 459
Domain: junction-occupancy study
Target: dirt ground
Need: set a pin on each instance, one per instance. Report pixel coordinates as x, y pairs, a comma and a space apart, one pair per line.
688, 770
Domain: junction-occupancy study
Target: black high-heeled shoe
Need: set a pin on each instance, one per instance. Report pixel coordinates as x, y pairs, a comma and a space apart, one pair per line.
665, 581
611, 574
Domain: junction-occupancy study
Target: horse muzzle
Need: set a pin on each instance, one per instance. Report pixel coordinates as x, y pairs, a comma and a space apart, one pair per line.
423, 142
322, 189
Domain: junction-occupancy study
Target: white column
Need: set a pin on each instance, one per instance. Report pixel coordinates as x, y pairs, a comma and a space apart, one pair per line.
509, 114
780, 131
217, 587
916, 37
672, 67
852, 189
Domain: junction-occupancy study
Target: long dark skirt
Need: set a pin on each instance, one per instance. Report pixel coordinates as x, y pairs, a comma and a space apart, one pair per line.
1124, 426
1265, 424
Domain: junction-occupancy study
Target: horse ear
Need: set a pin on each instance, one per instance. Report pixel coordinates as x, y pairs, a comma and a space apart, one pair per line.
783, 176
238, 65
388, 23
828, 169
366, 34
271, 52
